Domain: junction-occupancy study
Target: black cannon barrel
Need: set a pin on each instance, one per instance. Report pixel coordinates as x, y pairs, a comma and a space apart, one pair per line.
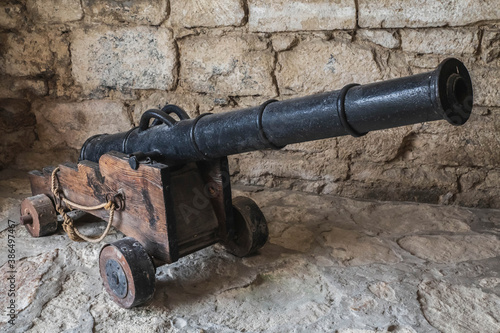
445, 93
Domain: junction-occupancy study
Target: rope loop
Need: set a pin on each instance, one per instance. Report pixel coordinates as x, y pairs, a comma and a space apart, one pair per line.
68, 225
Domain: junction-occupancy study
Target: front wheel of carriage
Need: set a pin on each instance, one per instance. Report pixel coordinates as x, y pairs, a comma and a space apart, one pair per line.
127, 272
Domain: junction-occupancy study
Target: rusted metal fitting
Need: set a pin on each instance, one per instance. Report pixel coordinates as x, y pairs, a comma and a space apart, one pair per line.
117, 198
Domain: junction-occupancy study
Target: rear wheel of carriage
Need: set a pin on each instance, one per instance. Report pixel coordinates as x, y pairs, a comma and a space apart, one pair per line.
250, 228
38, 215
127, 272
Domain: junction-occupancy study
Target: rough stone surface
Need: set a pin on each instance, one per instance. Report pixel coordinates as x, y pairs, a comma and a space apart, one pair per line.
295, 238
206, 13
283, 42
277, 170
485, 79
41, 156
457, 308
443, 249
491, 46
280, 15
302, 280
440, 41
25, 54
354, 248
384, 291
469, 147
385, 38
55, 11
319, 65
116, 11
126, 58
21, 88
17, 125
227, 65
82, 120
425, 13
29, 281
10, 14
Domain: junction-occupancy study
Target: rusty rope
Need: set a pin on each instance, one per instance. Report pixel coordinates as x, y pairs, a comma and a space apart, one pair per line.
67, 225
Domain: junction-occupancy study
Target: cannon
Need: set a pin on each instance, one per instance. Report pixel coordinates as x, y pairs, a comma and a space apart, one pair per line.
165, 183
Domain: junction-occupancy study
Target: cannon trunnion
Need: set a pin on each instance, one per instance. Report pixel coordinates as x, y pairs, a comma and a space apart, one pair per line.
165, 184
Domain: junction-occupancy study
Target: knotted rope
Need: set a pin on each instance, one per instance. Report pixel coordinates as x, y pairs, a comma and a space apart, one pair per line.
67, 225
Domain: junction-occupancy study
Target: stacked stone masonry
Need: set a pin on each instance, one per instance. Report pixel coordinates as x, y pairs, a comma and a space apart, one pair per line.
70, 69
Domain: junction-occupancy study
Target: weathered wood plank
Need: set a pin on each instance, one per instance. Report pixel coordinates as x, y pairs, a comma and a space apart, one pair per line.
170, 211
144, 215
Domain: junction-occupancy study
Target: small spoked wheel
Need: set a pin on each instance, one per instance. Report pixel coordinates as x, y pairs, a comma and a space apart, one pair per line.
38, 215
250, 228
127, 272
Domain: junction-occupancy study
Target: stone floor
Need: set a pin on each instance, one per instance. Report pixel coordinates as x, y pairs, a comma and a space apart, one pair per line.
331, 265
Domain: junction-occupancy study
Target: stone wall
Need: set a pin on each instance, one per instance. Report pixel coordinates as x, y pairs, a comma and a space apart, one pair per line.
71, 69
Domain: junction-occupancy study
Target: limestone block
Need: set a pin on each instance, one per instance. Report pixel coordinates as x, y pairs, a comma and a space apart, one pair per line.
399, 181
479, 188
486, 81
280, 15
282, 42
295, 238
384, 291
490, 46
25, 54
70, 124
440, 41
10, 14
229, 65
385, 38
41, 156
353, 248
474, 145
190, 102
116, 11
55, 11
378, 146
20, 87
298, 297
425, 13
126, 58
28, 283
9, 210
457, 308
398, 219
316, 66
15, 114
451, 249
17, 126
293, 165
420, 176
206, 13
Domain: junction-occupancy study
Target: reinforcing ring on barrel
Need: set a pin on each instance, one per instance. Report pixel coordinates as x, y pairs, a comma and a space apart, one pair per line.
192, 136
262, 135
341, 111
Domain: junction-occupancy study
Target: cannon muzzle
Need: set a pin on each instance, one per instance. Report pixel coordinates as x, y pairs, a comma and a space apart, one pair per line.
444, 93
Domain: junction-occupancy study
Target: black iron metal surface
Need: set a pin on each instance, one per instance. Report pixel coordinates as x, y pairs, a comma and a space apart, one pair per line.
445, 93
116, 278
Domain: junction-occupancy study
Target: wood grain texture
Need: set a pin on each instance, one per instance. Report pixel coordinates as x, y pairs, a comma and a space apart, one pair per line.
143, 216
171, 211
